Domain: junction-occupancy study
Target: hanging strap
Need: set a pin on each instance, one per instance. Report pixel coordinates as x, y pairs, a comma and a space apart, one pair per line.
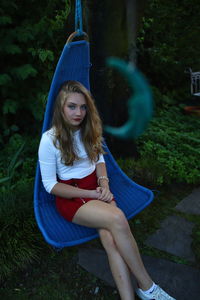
78, 24
78, 18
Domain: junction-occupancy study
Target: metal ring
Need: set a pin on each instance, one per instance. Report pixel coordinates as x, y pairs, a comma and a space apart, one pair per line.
75, 34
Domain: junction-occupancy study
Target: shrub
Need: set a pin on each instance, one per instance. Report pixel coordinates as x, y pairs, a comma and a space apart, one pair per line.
170, 148
20, 241
163, 52
32, 36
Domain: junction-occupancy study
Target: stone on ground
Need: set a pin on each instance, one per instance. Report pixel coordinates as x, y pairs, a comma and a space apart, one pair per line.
180, 281
190, 204
95, 261
174, 237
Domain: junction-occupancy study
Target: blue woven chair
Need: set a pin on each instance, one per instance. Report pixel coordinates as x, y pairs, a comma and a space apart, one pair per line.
74, 64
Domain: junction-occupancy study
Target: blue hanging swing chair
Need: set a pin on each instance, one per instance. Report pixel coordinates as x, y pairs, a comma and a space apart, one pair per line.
74, 64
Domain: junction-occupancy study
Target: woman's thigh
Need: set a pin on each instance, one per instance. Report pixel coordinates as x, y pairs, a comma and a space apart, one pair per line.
97, 214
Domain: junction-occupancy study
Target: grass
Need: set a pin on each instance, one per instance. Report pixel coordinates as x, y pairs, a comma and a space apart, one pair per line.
56, 275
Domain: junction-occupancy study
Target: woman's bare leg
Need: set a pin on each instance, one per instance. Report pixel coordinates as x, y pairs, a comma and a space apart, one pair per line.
100, 215
119, 268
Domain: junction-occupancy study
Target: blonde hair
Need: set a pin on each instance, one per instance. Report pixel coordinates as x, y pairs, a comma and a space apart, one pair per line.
91, 127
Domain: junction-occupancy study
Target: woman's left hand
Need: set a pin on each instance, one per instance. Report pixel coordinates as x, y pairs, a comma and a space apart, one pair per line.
105, 194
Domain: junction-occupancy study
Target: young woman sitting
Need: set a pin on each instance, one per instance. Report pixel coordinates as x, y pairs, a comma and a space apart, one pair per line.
73, 169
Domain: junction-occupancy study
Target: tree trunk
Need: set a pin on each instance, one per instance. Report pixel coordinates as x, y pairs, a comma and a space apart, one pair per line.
112, 31
134, 12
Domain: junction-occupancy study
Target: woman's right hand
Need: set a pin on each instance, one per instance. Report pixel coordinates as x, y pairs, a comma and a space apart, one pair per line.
102, 194
105, 194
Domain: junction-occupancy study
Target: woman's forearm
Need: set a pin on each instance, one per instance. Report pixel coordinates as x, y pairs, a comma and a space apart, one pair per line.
103, 183
69, 191
102, 175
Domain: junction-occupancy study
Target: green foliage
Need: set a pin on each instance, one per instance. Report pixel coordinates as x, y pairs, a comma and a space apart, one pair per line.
10, 170
168, 43
4, 79
18, 159
18, 236
20, 241
10, 106
42, 54
32, 37
23, 72
169, 149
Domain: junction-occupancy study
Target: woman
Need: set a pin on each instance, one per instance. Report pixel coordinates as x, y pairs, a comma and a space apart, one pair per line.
73, 169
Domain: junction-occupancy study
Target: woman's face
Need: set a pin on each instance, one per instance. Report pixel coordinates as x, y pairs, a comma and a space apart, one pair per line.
75, 109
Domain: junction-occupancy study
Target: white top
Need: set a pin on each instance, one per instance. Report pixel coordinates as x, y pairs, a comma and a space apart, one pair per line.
51, 165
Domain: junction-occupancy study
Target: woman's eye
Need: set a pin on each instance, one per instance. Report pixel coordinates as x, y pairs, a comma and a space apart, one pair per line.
72, 106
83, 107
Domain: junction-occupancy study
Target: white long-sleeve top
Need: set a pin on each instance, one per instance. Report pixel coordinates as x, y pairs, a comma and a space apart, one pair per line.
51, 165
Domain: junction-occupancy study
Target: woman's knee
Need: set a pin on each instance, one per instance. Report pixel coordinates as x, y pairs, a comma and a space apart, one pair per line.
118, 219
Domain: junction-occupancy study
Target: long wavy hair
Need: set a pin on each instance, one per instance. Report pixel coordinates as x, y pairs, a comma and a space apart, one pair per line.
91, 127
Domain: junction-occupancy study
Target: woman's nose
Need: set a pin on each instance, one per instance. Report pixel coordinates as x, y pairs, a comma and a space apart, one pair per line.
78, 111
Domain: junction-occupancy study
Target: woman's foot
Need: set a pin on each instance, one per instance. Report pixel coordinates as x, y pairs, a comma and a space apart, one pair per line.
156, 294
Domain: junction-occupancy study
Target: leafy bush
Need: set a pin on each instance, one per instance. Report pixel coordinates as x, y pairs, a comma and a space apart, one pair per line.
20, 241
168, 43
169, 149
32, 36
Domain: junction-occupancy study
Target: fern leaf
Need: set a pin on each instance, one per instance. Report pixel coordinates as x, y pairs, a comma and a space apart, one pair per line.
10, 106
24, 71
24, 34
12, 49
32, 51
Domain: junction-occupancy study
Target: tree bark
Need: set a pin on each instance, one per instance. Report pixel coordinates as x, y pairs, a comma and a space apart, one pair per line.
134, 12
112, 28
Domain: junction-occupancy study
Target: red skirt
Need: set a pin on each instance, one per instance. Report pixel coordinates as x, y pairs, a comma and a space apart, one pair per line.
68, 207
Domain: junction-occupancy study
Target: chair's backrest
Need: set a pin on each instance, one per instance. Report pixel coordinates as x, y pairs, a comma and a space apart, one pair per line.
73, 64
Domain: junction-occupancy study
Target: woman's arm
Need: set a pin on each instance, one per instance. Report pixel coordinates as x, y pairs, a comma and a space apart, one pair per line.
101, 173
102, 193
69, 191
103, 182
47, 160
